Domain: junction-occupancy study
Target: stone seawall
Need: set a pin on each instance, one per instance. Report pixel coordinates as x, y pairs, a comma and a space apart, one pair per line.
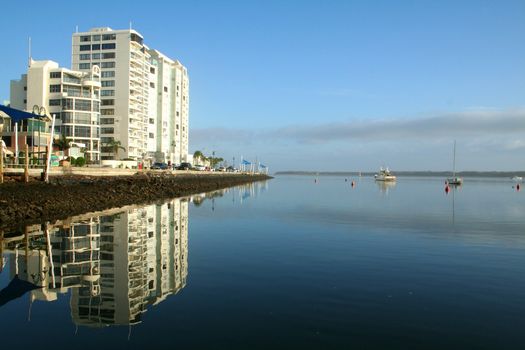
64, 196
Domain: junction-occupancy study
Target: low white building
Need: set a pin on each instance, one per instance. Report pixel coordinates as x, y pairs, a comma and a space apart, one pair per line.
72, 96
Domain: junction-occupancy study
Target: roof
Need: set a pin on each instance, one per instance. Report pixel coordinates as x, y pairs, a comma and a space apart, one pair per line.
17, 115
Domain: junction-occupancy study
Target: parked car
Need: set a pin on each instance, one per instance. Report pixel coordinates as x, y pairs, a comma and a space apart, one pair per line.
184, 166
221, 169
231, 169
199, 167
159, 165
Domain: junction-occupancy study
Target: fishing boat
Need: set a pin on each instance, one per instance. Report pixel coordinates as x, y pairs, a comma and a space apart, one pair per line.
517, 179
454, 180
384, 175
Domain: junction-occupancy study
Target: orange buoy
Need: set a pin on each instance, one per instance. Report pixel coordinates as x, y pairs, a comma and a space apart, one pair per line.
353, 184
518, 187
447, 188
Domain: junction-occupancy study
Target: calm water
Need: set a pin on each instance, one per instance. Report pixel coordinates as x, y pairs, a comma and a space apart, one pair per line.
285, 264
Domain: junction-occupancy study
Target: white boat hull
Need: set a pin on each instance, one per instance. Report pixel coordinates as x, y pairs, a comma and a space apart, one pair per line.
385, 178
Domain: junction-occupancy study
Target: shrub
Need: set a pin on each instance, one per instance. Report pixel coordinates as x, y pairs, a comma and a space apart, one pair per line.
80, 161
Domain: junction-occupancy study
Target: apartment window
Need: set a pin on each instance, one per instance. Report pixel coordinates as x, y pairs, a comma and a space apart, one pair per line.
106, 121
71, 79
107, 93
85, 38
107, 130
108, 74
183, 129
82, 131
177, 126
108, 102
85, 56
53, 75
107, 111
57, 102
151, 135
95, 47
136, 38
96, 106
152, 70
151, 121
66, 117
67, 130
54, 88
82, 105
83, 66
25, 100
165, 89
151, 85
109, 37
25, 88
178, 87
106, 83
177, 113
67, 103
96, 56
108, 55
85, 47
109, 46
107, 65
82, 118
106, 139
73, 91
96, 38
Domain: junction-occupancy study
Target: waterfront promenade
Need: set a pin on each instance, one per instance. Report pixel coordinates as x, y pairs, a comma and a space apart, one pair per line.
89, 189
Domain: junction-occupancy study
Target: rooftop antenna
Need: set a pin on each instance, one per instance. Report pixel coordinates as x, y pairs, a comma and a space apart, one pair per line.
76, 28
130, 25
29, 53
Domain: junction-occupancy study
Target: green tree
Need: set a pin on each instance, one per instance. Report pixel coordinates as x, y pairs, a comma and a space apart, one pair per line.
80, 161
62, 143
114, 146
215, 161
198, 155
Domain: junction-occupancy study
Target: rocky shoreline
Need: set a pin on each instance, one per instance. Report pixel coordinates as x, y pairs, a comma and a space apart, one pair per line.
37, 202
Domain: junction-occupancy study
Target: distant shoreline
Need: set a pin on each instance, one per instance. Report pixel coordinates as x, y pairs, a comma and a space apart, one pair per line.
502, 174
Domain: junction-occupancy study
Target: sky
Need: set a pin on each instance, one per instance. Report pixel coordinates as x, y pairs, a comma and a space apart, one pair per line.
321, 85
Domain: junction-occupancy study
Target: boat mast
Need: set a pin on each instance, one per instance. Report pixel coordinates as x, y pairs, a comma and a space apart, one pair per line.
454, 163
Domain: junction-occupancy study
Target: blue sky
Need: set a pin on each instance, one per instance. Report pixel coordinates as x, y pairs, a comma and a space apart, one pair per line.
302, 84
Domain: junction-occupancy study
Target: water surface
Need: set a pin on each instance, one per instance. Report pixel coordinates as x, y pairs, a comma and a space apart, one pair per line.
290, 263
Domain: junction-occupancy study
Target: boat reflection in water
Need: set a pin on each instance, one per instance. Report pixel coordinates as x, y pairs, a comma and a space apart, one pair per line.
385, 186
116, 264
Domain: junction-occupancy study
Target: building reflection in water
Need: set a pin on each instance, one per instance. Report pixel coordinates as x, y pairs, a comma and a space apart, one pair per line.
115, 265
238, 193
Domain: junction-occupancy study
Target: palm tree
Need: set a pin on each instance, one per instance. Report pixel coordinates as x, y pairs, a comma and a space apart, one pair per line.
114, 146
215, 161
62, 143
198, 155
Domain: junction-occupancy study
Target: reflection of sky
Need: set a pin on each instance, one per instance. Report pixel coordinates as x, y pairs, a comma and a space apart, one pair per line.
482, 209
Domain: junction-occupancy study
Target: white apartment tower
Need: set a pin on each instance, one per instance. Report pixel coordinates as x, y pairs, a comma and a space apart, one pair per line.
172, 106
140, 104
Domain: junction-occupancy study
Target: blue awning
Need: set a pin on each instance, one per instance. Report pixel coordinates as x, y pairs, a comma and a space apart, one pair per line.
17, 115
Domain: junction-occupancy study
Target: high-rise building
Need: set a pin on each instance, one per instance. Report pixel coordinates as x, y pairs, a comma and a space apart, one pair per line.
72, 96
144, 95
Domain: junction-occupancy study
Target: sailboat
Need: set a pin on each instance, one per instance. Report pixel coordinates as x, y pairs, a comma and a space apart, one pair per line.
454, 180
